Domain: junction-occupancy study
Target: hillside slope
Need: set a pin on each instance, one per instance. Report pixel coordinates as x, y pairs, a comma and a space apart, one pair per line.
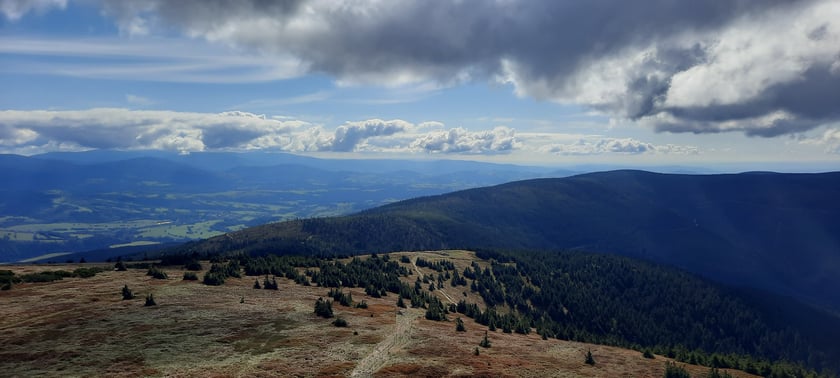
779, 232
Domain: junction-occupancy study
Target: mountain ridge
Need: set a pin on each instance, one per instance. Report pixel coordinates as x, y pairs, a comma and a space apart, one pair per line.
713, 225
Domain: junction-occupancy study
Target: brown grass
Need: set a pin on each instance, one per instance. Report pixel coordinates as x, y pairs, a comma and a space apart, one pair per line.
82, 327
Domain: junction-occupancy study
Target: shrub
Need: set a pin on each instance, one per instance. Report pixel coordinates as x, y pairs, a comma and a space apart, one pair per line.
190, 276
339, 322
87, 272
214, 279
193, 265
674, 371
120, 266
362, 304
647, 354
126, 293
323, 308
155, 272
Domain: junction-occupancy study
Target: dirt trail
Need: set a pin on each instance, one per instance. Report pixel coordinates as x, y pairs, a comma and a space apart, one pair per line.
381, 354
419, 273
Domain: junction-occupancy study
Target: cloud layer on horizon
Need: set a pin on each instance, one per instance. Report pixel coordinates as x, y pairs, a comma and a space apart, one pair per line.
760, 67
35, 131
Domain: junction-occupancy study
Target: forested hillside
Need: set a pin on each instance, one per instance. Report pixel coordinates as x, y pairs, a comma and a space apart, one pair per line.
778, 232
595, 298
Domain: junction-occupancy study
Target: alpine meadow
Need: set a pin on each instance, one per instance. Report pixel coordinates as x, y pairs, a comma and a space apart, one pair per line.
459, 188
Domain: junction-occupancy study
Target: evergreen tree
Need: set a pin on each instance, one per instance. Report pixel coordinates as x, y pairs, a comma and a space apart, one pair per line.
589, 359
150, 300
674, 371
485, 342
323, 308
459, 325
257, 284
400, 302
120, 266
126, 293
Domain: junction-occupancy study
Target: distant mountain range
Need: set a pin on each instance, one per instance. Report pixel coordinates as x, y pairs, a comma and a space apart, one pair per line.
71, 202
777, 232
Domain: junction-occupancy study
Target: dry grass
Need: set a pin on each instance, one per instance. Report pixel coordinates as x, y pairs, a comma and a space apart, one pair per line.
82, 327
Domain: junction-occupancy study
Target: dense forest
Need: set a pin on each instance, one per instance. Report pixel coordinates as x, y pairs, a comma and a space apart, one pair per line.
595, 298
777, 232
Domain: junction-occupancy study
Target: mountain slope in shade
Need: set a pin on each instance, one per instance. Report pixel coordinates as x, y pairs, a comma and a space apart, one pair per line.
778, 232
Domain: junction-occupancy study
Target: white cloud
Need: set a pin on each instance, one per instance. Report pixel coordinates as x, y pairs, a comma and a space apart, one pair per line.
14, 10
829, 141
137, 100
597, 145
458, 140
150, 59
114, 128
702, 66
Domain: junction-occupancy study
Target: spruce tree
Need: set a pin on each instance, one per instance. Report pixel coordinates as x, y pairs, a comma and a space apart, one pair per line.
485, 342
126, 293
589, 359
150, 300
459, 325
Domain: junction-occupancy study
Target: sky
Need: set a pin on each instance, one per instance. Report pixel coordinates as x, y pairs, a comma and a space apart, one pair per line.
549, 82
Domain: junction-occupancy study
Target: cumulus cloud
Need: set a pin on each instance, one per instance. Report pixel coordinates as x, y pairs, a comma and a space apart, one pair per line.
760, 67
596, 145
348, 136
458, 140
114, 128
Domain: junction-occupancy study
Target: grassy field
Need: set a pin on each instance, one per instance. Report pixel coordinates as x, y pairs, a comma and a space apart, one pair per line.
82, 327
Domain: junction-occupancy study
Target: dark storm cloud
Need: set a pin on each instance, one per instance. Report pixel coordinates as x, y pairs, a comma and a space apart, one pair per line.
761, 67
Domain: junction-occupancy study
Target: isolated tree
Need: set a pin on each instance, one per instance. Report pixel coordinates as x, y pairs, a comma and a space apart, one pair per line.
126, 293
459, 325
150, 300
485, 342
476, 351
589, 359
400, 302
257, 284
120, 266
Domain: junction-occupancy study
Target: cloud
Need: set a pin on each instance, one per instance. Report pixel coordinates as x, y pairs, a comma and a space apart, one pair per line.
152, 59
458, 140
759, 67
137, 100
348, 136
596, 145
14, 10
829, 140
114, 128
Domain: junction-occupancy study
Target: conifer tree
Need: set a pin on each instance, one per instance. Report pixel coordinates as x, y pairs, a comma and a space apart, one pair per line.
459, 325
485, 342
126, 293
150, 300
